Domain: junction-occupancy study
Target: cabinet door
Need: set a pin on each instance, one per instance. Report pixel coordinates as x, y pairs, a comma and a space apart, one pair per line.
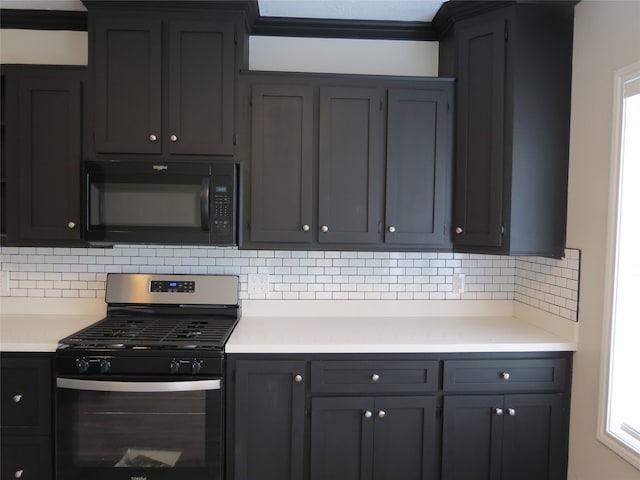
269, 420
350, 172
418, 207
342, 438
472, 437
534, 432
127, 57
26, 458
46, 162
281, 163
201, 81
405, 438
480, 134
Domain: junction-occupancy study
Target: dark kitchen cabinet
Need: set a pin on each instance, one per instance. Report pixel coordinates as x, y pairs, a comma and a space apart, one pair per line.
163, 81
513, 69
26, 387
318, 150
381, 438
268, 420
44, 115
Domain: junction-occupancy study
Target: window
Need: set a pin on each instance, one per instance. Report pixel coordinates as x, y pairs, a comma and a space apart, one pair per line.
620, 409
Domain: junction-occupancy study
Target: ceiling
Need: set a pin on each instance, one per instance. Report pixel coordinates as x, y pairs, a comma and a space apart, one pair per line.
386, 10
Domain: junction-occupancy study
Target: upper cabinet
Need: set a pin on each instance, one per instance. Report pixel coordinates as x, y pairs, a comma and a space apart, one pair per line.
347, 161
163, 81
513, 67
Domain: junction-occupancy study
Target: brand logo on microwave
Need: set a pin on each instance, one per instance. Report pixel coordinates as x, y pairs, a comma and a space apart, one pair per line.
138, 478
159, 168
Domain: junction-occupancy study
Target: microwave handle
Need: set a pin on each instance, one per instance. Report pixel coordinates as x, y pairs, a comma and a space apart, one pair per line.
204, 203
116, 386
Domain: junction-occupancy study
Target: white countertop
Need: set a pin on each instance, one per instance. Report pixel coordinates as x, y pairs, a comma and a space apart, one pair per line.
391, 335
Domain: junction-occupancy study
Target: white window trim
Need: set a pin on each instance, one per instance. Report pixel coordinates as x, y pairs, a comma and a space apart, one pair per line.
614, 443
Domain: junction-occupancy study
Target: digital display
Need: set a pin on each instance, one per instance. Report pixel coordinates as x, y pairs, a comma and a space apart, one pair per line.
221, 189
173, 284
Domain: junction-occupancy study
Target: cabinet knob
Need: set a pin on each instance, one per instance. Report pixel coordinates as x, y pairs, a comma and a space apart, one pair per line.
368, 414
324, 229
382, 414
153, 138
173, 138
505, 375
511, 412
298, 378
71, 225
498, 411
17, 398
458, 230
306, 228
375, 377
392, 229
18, 474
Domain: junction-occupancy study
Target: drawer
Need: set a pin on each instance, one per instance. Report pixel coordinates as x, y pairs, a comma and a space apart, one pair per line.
27, 458
26, 394
374, 376
504, 375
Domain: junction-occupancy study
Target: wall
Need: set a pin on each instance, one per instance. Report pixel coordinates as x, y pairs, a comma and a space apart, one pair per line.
606, 38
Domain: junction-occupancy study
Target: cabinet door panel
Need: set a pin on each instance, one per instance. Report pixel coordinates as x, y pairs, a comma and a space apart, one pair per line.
201, 88
281, 163
350, 174
128, 86
49, 158
405, 438
471, 438
533, 438
27, 458
418, 168
480, 134
341, 438
269, 420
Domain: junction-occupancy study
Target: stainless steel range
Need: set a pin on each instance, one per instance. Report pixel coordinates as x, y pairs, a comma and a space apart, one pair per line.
140, 393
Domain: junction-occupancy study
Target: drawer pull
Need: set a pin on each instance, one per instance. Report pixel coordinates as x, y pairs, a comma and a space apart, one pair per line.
18, 473
375, 377
498, 411
298, 378
368, 414
17, 398
505, 375
511, 412
382, 414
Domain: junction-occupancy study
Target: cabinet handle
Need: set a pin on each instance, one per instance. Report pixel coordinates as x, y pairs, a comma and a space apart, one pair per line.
324, 229
173, 138
17, 398
18, 473
298, 378
511, 412
392, 229
368, 414
505, 375
153, 138
458, 230
498, 411
71, 225
306, 228
375, 377
382, 414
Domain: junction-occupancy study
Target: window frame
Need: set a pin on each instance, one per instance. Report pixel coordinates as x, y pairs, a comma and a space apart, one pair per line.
604, 434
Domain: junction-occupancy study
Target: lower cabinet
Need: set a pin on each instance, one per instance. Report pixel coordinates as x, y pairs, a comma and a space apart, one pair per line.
399, 416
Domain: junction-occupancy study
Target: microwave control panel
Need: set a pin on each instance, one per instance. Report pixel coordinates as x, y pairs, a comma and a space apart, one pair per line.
223, 205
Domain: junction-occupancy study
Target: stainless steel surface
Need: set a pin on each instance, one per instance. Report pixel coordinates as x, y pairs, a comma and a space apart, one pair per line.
153, 138
134, 288
324, 229
458, 230
505, 375
298, 378
368, 414
71, 225
375, 377
382, 414
498, 411
392, 229
135, 387
306, 228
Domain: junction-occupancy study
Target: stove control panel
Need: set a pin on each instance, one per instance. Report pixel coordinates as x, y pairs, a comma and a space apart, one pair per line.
171, 286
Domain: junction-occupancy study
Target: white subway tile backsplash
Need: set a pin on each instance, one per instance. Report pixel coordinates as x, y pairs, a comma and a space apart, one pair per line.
548, 284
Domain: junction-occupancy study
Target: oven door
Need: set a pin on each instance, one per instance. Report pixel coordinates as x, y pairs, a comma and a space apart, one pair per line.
139, 428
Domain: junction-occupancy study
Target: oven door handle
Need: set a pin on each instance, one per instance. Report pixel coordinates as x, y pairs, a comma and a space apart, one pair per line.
117, 386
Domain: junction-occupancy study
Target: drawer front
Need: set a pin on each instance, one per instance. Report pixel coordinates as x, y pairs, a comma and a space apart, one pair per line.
27, 458
374, 376
504, 375
25, 391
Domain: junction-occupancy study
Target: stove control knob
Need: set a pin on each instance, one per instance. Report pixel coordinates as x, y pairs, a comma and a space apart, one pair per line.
83, 365
105, 365
196, 365
174, 366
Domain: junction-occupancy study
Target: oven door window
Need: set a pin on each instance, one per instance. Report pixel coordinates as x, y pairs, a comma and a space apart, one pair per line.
121, 428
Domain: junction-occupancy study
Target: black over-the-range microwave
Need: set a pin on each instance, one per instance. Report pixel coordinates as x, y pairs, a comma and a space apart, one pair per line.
146, 202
